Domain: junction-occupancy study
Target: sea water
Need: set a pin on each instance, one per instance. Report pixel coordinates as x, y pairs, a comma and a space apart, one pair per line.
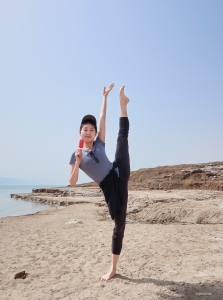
18, 207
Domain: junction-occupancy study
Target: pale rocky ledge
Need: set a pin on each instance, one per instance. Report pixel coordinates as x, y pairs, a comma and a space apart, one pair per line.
186, 194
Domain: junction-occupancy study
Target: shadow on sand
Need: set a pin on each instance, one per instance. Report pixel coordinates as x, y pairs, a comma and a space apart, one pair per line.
183, 290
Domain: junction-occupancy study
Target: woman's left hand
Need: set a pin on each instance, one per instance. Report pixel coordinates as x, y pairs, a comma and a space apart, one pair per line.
107, 91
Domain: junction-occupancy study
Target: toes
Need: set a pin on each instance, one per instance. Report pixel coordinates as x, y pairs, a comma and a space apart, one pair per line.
102, 279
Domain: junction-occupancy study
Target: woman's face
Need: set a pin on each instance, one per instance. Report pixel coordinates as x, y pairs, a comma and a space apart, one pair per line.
88, 133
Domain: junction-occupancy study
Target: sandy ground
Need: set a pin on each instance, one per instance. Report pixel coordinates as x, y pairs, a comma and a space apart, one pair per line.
175, 259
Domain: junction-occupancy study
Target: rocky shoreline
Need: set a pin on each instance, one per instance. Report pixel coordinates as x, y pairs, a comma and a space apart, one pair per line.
144, 206
208, 176
58, 196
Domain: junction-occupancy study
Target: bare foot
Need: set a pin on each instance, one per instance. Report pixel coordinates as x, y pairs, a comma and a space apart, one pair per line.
123, 99
108, 276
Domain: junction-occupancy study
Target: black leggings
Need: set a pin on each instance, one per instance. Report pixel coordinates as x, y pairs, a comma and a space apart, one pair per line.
123, 163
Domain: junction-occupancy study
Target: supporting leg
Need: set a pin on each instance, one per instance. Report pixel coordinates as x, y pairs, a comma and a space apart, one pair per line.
112, 270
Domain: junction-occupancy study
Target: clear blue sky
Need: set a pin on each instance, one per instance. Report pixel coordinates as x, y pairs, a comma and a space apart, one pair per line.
56, 56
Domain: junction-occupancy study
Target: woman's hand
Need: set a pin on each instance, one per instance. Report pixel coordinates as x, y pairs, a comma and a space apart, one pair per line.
106, 92
78, 155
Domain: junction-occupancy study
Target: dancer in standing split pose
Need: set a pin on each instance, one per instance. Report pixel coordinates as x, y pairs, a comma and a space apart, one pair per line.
112, 177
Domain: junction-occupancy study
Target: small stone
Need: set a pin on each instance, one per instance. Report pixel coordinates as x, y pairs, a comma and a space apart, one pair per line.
74, 221
21, 275
173, 288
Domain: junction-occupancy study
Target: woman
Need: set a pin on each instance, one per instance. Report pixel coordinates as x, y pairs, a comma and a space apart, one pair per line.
111, 177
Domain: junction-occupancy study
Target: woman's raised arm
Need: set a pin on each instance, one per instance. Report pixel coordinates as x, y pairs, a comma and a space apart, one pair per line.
102, 129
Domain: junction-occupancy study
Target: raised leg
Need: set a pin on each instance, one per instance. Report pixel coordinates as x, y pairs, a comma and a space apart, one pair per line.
123, 102
122, 161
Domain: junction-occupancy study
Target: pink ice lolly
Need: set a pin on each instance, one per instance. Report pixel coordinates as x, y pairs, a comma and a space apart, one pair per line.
81, 143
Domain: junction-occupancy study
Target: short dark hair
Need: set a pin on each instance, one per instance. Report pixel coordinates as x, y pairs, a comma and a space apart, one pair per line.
88, 122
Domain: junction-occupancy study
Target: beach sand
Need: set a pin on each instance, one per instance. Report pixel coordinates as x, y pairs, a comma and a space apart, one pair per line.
65, 260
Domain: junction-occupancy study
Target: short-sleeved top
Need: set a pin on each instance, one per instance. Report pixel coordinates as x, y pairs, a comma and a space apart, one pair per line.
96, 171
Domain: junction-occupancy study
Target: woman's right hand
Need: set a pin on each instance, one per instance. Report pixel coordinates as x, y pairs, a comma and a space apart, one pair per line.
78, 155
107, 91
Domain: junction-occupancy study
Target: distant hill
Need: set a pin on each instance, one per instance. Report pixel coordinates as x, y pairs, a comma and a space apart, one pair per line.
19, 181
13, 181
206, 176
